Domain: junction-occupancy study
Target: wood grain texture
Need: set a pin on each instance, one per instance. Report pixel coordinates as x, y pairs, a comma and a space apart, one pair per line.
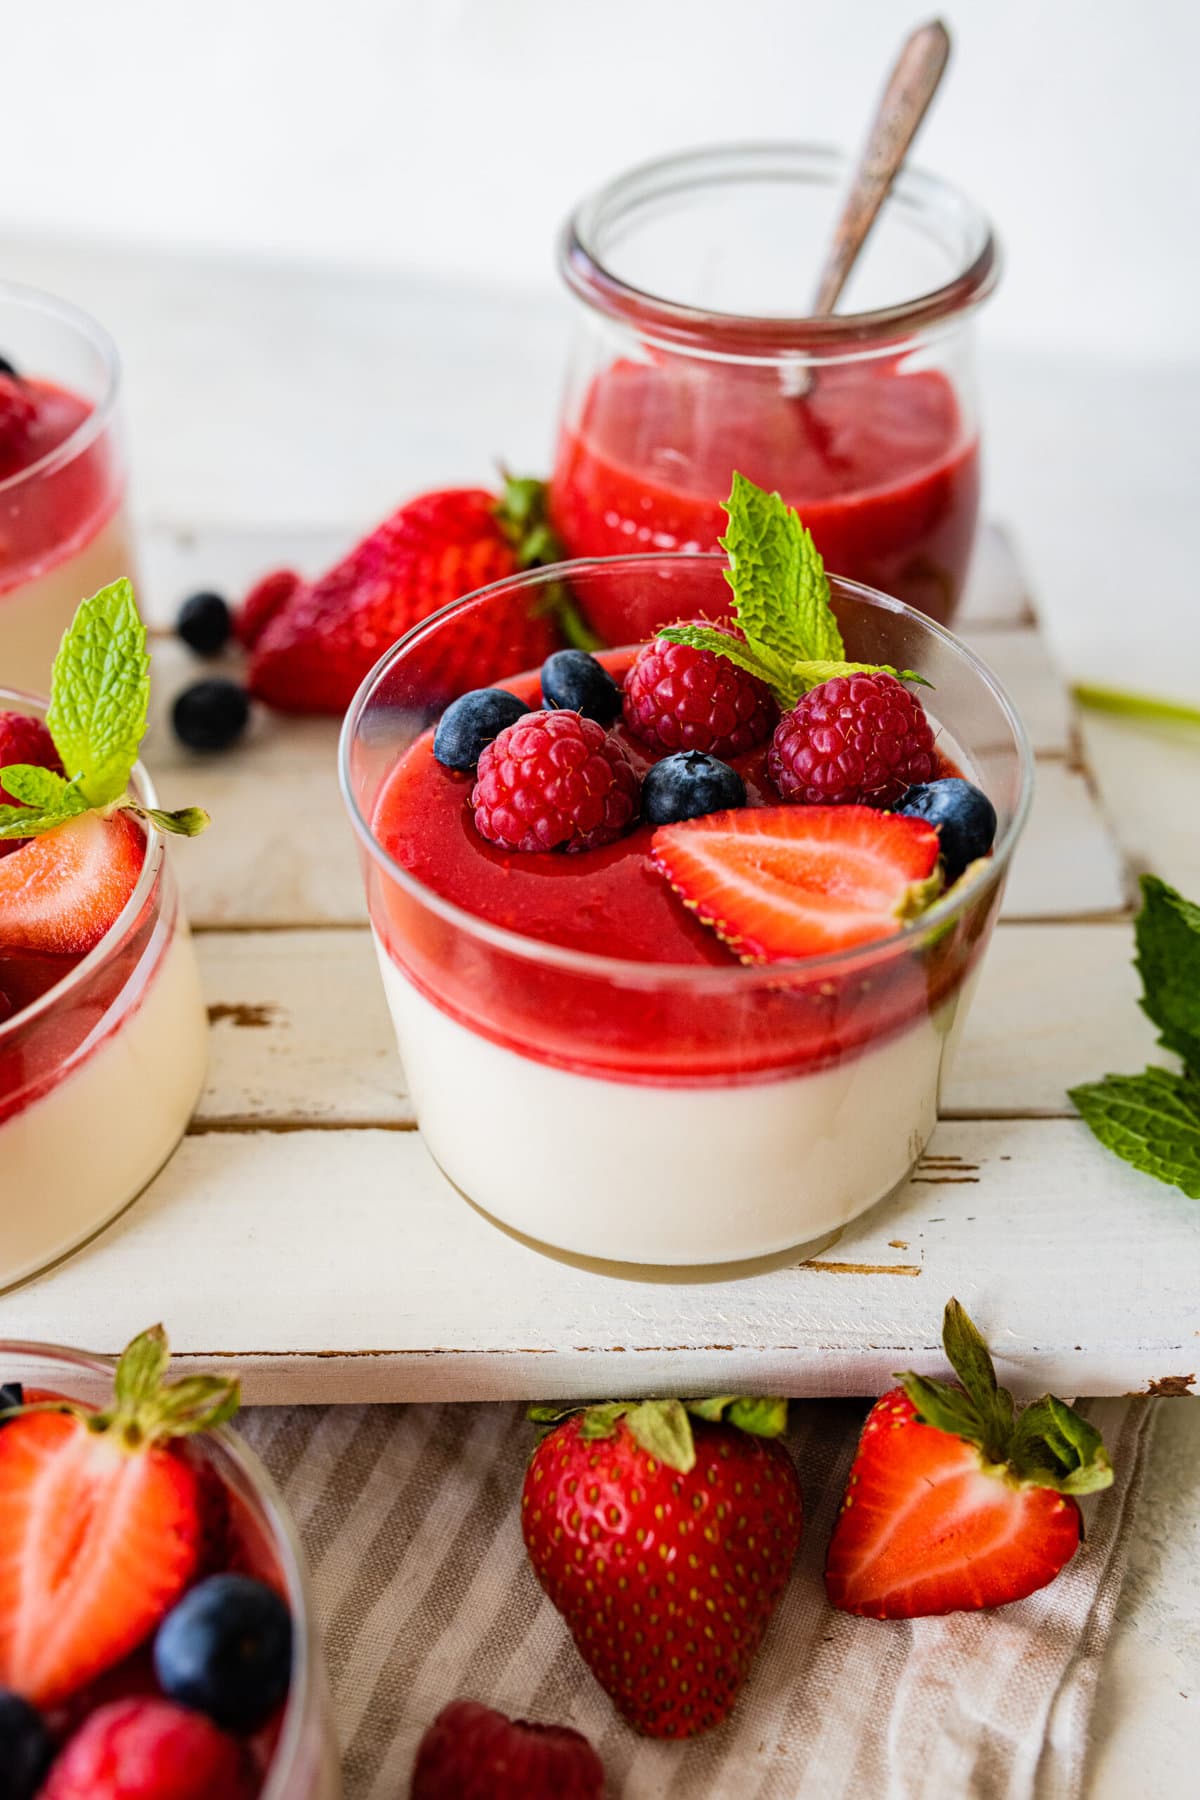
341, 1265
301, 1036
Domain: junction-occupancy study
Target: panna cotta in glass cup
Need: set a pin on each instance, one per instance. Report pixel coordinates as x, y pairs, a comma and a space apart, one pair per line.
190, 1643
63, 476
692, 355
102, 1053
598, 1056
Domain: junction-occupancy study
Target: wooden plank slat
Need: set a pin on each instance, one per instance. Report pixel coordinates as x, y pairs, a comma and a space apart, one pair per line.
301, 1034
1066, 865
342, 1266
996, 595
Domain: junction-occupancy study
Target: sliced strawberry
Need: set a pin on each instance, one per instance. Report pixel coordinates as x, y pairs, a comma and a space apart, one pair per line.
62, 891
100, 1524
776, 882
955, 1502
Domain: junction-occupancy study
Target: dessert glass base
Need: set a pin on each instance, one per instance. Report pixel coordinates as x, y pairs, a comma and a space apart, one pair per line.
654, 1101
101, 1065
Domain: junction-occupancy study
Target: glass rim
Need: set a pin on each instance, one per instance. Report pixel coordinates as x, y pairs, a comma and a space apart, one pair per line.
688, 975
100, 416
152, 864
302, 1692
752, 337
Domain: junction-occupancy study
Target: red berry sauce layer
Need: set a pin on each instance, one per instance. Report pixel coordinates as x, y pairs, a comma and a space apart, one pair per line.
59, 509
729, 1024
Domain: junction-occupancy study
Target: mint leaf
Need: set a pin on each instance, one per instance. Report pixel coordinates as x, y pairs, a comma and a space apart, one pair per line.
48, 801
99, 693
1168, 960
756, 660
778, 578
1151, 1121
812, 674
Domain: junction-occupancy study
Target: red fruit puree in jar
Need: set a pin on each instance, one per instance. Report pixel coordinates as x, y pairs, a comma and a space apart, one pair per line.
877, 462
611, 902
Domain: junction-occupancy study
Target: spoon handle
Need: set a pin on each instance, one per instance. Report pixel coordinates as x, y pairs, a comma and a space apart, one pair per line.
905, 100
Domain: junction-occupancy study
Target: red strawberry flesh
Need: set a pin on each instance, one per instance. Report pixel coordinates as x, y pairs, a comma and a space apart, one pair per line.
789, 881
61, 892
926, 1527
97, 1541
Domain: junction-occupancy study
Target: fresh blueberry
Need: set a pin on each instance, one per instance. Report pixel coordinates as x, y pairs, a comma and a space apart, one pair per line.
964, 817
205, 623
7, 368
473, 721
211, 715
26, 1748
687, 785
11, 1394
226, 1650
576, 682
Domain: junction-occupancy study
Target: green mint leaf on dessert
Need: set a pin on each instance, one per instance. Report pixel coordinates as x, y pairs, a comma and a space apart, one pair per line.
99, 693
1168, 960
781, 601
47, 801
778, 579
812, 674
1151, 1121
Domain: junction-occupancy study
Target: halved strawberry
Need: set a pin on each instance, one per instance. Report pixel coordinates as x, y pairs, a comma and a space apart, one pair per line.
954, 1501
99, 1522
62, 891
776, 882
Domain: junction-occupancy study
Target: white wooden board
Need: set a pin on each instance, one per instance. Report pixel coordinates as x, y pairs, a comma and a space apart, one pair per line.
303, 1231
334, 1265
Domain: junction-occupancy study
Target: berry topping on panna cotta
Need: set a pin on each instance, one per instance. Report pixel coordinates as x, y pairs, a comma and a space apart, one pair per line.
574, 906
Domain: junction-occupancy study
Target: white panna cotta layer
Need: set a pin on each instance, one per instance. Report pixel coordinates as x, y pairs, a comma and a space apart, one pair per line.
634, 1172
35, 613
75, 1156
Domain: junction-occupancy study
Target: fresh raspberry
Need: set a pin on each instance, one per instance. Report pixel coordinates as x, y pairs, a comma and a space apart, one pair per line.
858, 739
23, 740
147, 1749
554, 780
17, 413
677, 698
470, 1751
266, 597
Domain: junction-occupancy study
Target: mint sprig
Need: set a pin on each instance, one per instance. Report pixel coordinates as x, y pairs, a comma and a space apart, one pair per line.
781, 602
1152, 1120
99, 695
1047, 1445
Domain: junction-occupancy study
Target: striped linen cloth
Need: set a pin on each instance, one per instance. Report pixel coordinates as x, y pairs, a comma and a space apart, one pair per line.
410, 1516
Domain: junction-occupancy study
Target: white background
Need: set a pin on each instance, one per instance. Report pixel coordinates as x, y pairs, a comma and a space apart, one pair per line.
449, 138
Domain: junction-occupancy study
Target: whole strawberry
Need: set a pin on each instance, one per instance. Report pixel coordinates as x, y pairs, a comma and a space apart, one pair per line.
313, 644
471, 1752
955, 1501
665, 1536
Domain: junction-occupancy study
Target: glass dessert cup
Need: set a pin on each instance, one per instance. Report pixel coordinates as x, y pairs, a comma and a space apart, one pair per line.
63, 526
100, 1071
303, 1760
663, 1112
689, 361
